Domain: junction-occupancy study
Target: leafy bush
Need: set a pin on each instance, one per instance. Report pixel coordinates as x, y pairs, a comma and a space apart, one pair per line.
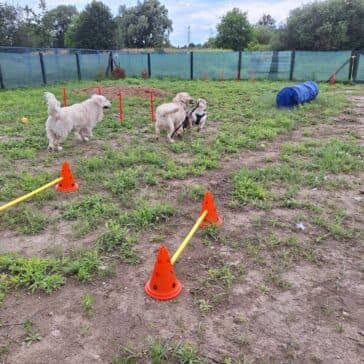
118, 73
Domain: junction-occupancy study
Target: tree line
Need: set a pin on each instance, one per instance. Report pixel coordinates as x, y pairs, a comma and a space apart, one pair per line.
325, 25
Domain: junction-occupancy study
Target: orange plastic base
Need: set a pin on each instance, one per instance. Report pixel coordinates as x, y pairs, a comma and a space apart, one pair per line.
163, 285
212, 218
68, 184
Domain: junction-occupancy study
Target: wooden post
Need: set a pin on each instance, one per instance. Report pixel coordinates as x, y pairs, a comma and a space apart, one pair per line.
1, 79
41, 59
149, 66
191, 66
78, 65
239, 66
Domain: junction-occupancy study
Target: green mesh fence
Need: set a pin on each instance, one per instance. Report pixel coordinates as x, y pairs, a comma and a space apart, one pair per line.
319, 66
60, 65
175, 65
20, 69
93, 64
360, 70
22, 66
133, 63
215, 65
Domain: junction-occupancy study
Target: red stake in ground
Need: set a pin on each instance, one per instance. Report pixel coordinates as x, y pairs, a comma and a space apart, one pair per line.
64, 97
151, 94
120, 107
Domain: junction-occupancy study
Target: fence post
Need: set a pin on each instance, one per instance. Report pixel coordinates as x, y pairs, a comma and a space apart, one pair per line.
356, 64
353, 66
78, 65
239, 65
291, 71
111, 62
191, 66
1, 79
44, 76
149, 66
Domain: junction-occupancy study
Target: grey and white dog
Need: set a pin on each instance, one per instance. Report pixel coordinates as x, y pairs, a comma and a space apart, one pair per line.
197, 116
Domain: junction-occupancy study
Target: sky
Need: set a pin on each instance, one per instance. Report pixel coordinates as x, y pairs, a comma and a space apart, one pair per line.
201, 16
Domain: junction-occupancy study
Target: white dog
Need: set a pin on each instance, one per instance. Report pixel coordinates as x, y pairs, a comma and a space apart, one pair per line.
80, 118
197, 116
171, 115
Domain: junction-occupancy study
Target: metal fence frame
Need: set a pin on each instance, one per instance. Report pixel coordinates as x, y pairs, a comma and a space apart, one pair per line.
190, 57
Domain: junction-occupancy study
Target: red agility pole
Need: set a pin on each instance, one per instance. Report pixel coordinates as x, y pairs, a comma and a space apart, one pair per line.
222, 75
253, 77
151, 94
204, 76
120, 107
64, 97
333, 79
98, 90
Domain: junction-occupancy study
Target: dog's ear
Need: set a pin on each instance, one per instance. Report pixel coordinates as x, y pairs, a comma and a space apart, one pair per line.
98, 100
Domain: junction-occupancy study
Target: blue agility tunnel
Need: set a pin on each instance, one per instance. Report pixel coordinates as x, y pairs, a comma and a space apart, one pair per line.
297, 94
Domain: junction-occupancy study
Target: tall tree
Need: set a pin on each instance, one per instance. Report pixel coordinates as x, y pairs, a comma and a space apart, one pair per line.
8, 24
31, 32
94, 28
144, 25
327, 25
234, 30
57, 21
267, 21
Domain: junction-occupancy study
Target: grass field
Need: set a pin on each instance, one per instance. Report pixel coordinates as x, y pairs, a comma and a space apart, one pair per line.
278, 282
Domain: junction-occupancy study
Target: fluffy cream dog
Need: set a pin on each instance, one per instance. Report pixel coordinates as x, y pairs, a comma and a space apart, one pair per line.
171, 115
80, 118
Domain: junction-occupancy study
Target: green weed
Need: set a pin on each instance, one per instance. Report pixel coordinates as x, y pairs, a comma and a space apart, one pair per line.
87, 304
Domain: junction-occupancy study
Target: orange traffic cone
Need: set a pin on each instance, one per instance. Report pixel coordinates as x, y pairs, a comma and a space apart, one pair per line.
163, 285
212, 218
68, 184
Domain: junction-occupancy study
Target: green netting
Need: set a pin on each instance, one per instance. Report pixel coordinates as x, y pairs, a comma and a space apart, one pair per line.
60, 65
20, 69
176, 65
360, 70
21, 66
133, 63
319, 66
93, 64
214, 65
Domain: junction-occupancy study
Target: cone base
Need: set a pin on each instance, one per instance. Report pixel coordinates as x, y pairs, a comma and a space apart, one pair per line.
163, 296
72, 188
205, 224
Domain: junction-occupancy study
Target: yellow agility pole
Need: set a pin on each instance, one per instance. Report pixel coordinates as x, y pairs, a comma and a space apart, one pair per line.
30, 194
188, 237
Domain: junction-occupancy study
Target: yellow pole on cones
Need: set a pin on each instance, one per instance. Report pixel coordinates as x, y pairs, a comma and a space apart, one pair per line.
188, 237
30, 194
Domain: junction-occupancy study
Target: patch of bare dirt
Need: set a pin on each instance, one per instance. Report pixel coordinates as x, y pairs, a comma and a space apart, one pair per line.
112, 92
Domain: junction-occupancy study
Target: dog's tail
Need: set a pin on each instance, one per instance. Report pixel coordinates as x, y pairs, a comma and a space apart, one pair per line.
54, 106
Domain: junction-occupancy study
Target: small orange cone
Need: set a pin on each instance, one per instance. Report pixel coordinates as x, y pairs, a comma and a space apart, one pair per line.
163, 285
212, 218
68, 184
